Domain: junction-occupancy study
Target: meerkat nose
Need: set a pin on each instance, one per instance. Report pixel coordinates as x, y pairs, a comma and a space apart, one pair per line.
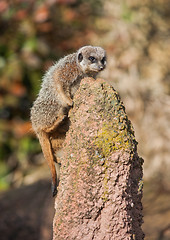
101, 67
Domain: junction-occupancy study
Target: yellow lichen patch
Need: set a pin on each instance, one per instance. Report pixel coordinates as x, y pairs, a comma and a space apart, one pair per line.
111, 138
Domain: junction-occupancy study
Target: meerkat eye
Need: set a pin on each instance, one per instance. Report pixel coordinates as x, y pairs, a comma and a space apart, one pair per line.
103, 60
92, 59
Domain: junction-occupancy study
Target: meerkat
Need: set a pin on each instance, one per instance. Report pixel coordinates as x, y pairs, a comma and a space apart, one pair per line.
49, 114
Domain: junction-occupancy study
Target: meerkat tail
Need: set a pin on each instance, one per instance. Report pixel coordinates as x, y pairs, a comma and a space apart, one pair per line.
47, 151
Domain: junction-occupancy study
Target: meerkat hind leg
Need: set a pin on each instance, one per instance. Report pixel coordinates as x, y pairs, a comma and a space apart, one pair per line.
47, 146
58, 121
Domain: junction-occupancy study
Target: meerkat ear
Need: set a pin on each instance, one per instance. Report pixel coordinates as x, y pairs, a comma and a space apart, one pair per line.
80, 57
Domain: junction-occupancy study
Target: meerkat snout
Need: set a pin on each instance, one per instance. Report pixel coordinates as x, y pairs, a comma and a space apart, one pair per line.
101, 68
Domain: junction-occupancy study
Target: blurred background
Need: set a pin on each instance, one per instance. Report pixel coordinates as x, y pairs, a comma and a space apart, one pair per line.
33, 35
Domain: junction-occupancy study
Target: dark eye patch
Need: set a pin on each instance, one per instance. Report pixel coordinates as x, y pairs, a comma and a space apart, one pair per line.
92, 59
103, 60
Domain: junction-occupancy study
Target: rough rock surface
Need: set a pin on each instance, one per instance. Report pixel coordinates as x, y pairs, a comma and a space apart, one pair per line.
100, 191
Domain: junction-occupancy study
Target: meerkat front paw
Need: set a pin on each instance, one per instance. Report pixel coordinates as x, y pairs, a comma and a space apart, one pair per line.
69, 102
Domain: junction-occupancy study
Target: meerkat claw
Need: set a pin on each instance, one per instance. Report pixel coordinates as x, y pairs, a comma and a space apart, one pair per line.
54, 190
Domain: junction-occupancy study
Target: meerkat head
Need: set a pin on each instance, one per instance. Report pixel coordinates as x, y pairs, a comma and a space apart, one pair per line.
91, 59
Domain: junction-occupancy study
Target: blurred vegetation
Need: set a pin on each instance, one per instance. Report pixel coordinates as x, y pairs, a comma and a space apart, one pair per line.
34, 34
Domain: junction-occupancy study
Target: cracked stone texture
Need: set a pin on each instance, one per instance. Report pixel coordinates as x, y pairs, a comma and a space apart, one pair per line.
100, 190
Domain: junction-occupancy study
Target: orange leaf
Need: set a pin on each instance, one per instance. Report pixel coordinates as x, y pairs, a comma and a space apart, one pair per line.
3, 6
17, 89
21, 14
22, 128
41, 14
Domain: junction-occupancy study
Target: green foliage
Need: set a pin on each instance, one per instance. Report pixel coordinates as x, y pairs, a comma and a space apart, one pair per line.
127, 13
